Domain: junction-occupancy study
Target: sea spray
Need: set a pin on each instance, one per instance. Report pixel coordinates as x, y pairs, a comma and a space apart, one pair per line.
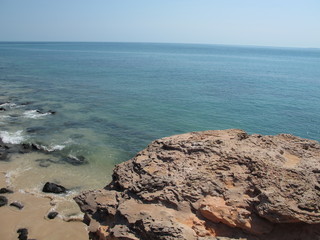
12, 137
34, 114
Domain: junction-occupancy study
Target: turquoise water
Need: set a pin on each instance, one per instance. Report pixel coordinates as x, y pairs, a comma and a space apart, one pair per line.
112, 99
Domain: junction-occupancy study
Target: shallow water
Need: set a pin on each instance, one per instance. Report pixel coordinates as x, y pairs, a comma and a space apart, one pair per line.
112, 99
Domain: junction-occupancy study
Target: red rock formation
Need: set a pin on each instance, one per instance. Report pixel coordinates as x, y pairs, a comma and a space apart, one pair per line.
212, 185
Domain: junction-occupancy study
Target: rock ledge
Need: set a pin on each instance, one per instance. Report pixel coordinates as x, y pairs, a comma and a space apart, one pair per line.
211, 185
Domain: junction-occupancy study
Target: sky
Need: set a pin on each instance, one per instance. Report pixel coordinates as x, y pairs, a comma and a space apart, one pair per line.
286, 23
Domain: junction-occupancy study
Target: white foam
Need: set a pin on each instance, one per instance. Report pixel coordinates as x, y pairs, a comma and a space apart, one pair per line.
12, 137
10, 105
4, 117
33, 114
69, 141
57, 147
52, 148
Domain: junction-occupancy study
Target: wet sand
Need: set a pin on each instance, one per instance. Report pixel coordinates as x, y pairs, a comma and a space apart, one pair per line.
33, 216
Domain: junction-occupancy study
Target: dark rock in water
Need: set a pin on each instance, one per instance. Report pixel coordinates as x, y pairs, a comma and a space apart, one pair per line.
3, 201
2, 109
52, 215
36, 129
42, 112
18, 205
31, 147
23, 234
13, 148
53, 188
25, 103
52, 112
75, 161
5, 190
2, 103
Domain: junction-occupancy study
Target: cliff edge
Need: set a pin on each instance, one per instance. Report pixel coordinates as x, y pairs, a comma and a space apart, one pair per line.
211, 185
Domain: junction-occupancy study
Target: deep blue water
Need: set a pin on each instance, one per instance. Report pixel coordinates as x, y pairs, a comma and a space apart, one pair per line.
112, 99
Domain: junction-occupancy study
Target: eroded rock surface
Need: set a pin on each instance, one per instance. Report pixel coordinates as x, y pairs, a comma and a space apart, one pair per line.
212, 185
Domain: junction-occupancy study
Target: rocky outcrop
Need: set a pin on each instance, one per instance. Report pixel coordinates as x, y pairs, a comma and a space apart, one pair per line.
211, 185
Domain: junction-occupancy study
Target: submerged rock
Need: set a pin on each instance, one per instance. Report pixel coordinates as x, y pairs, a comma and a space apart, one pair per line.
53, 188
46, 162
211, 185
32, 147
37, 129
75, 160
25, 103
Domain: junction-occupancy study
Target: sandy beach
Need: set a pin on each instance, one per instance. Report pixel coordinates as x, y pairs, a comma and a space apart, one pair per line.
33, 215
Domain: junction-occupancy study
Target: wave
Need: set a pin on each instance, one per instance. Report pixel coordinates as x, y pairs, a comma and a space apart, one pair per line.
34, 114
10, 105
4, 116
12, 137
53, 148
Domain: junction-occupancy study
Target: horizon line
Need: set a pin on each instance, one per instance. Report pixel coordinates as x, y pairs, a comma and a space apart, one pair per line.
219, 44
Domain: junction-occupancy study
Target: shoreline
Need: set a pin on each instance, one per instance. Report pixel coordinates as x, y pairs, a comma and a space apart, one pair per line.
15, 176
141, 191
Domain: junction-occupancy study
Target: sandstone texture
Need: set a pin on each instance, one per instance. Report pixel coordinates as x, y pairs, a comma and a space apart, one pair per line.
211, 185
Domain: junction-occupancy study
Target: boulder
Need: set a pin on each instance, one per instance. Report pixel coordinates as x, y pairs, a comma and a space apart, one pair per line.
3, 201
17, 205
211, 185
5, 190
53, 188
52, 215
32, 147
23, 234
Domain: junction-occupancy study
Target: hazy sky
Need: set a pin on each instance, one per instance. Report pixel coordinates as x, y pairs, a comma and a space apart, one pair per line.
249, 22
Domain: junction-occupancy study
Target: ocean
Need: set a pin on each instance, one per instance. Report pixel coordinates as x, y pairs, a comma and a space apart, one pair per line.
110, 100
